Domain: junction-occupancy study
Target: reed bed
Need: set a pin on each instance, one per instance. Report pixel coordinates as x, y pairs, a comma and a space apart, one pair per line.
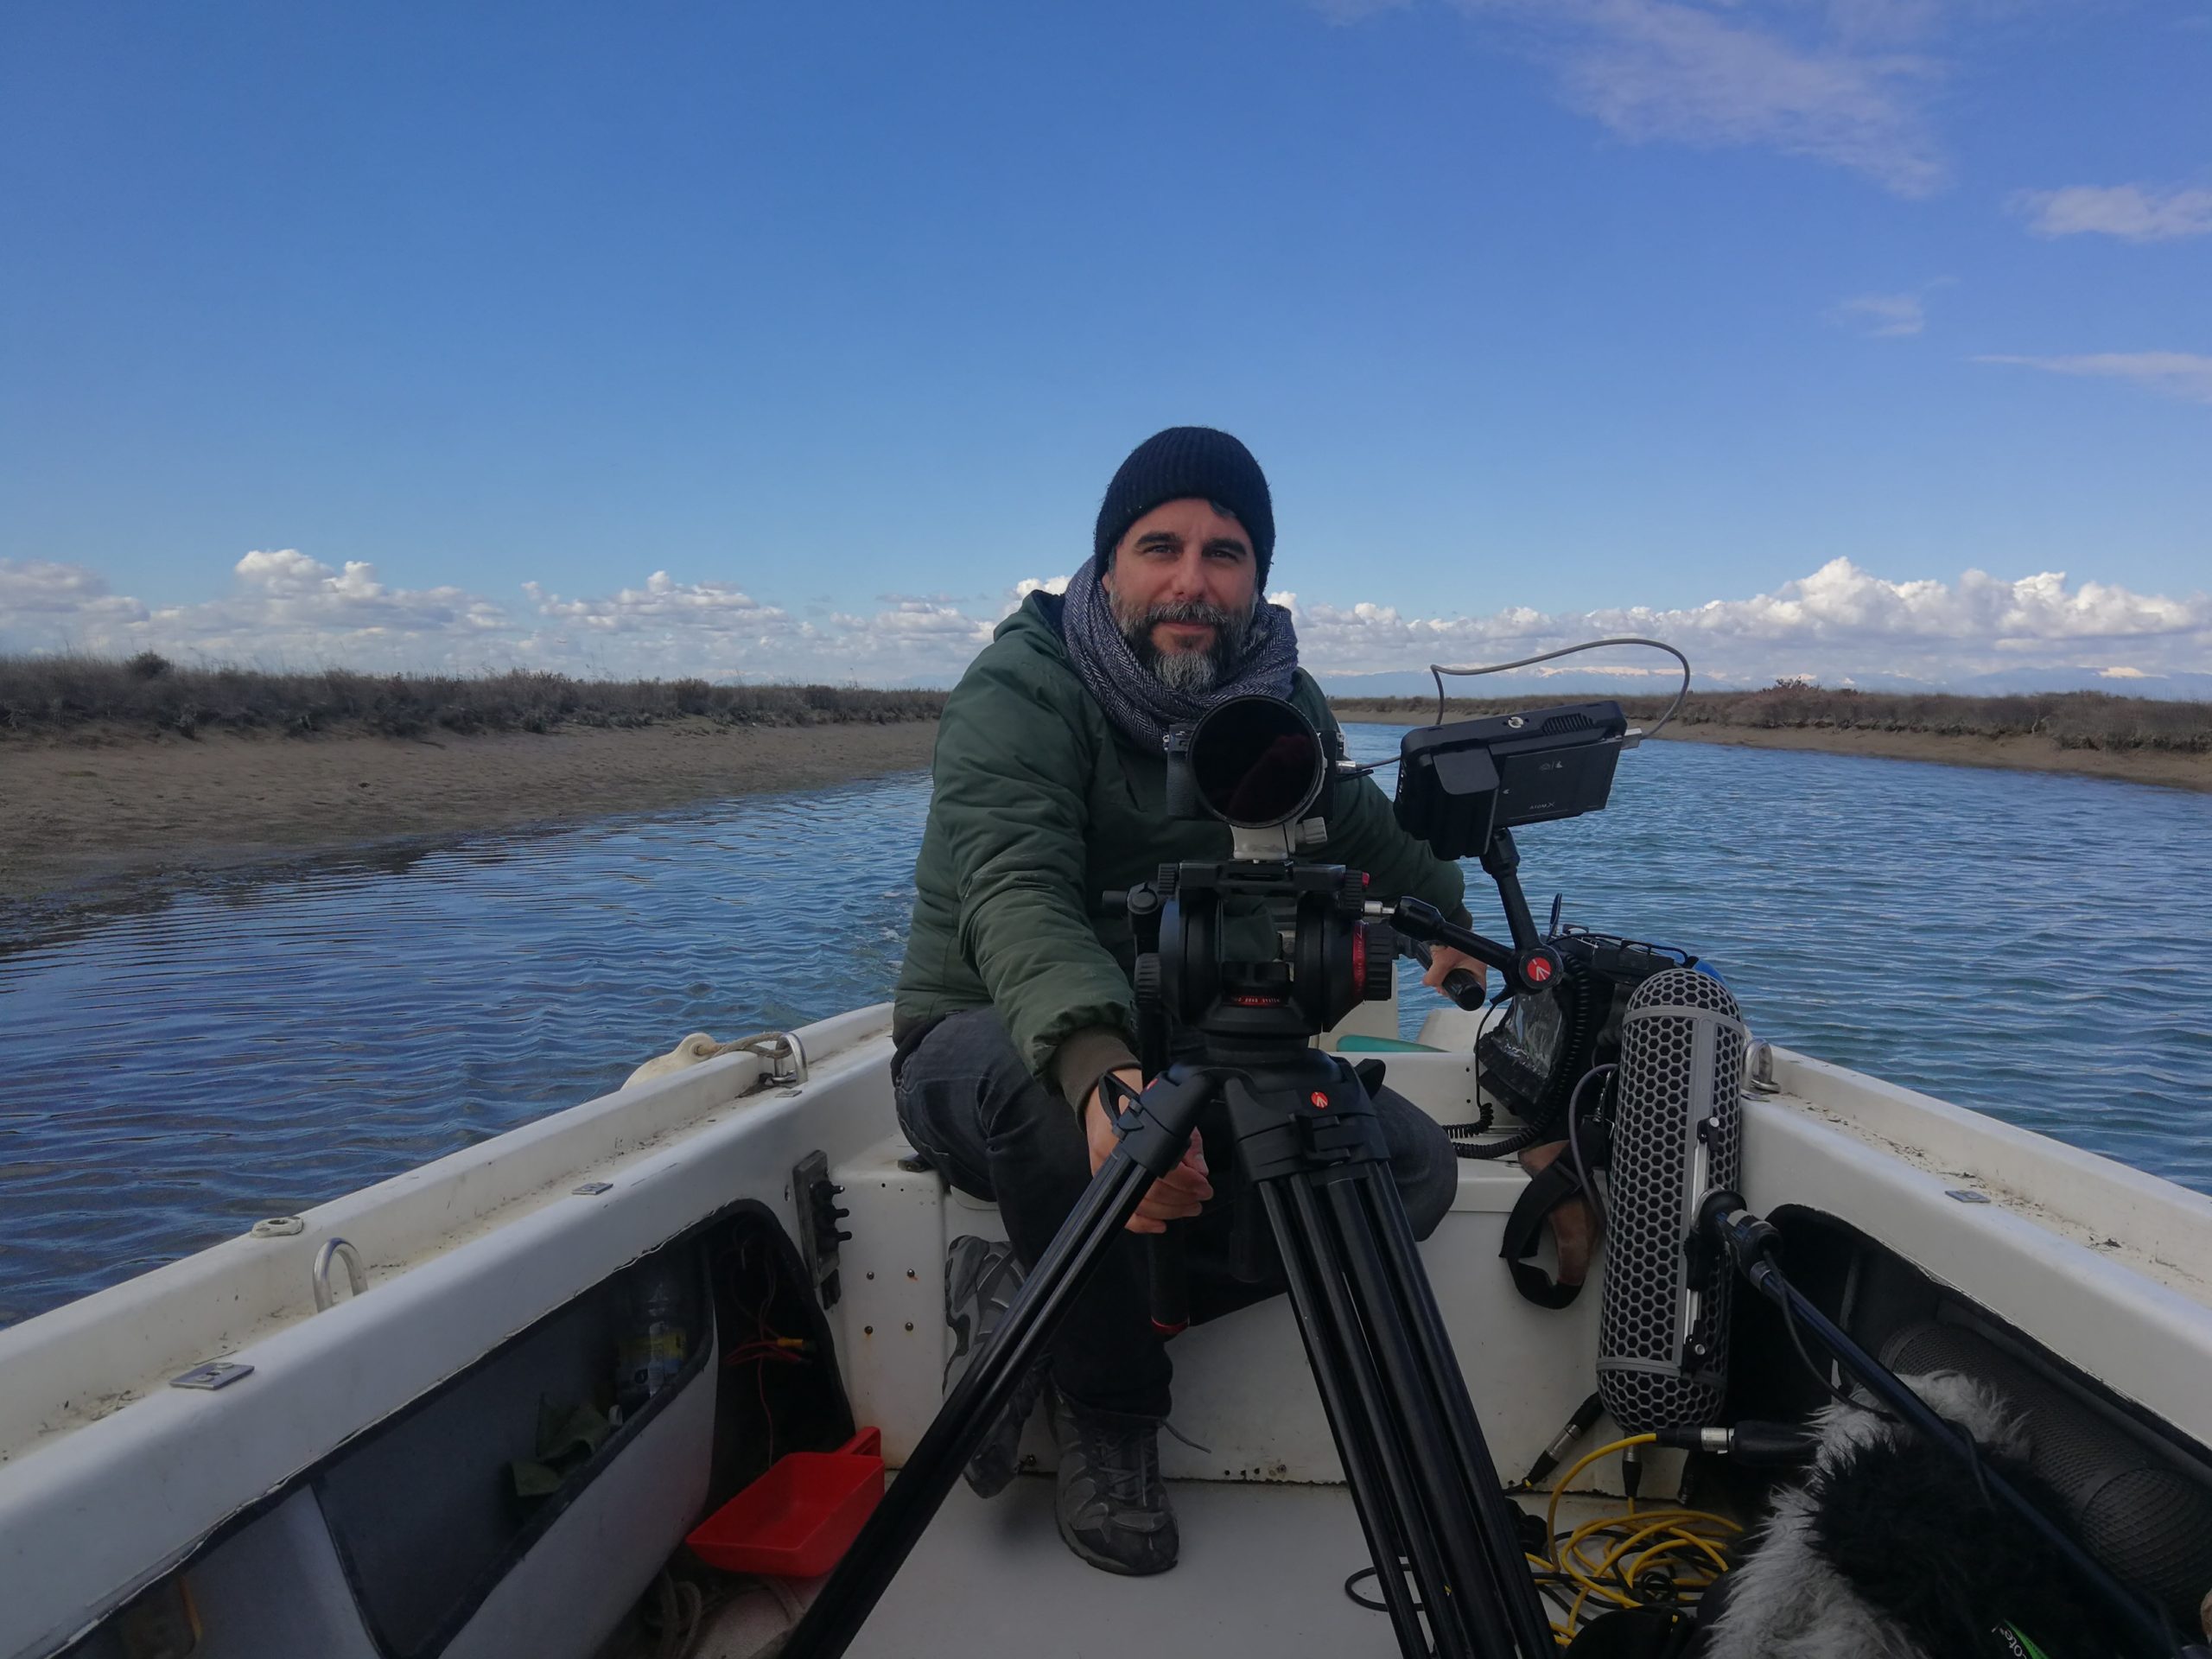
2071, 720
148, 695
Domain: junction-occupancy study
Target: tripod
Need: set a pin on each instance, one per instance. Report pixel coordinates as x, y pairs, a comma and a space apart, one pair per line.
1420, 1474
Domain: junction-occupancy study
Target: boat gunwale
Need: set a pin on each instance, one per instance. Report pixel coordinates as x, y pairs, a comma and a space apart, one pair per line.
157, 1325
176, 1467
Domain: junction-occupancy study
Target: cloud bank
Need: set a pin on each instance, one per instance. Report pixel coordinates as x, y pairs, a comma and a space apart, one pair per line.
1850, 83
1881, 317
2133, 212
2177, 374
1839, 623
287, 609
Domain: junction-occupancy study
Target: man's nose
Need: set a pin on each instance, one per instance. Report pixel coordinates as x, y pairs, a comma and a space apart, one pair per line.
1189, 580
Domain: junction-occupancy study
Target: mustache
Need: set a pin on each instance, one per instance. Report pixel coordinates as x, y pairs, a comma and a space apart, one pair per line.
1228, 626
1190, 611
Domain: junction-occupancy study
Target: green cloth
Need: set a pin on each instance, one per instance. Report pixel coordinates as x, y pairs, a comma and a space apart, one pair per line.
567, 1436
1040, 806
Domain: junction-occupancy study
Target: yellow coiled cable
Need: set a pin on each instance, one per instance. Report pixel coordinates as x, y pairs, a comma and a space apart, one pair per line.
1660, 1534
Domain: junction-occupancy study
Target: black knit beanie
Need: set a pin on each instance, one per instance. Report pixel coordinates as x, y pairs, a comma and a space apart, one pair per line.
1194, 461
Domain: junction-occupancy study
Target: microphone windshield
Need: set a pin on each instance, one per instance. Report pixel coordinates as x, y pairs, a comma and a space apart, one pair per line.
1662, 1331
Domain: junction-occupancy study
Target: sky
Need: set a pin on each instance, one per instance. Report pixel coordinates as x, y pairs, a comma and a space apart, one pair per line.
1867, 339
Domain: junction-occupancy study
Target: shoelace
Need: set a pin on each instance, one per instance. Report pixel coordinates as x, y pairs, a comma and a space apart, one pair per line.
1170, 1426
1128, 1485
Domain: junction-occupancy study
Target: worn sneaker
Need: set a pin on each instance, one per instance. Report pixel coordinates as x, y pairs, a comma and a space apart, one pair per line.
1113, 1505
980, 1278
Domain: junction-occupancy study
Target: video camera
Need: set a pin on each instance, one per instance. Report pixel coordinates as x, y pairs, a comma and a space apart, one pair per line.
1259, 766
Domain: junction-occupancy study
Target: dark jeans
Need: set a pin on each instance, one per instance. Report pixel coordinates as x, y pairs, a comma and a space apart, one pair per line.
966, 1100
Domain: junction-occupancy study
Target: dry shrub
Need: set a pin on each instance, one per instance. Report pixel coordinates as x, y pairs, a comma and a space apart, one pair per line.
55, 695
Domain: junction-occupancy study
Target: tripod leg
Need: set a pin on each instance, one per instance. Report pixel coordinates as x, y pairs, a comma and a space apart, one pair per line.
1147, 1150
1402, 1250
1416, 1355
1381, 1492
1446, 1504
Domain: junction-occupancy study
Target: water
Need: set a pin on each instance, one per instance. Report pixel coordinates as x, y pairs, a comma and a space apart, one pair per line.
2030, 945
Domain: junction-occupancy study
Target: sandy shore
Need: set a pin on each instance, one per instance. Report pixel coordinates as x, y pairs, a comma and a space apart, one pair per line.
81, 816
2166, 767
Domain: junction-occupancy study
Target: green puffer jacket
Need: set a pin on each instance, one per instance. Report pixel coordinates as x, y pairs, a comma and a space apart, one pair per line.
1040, 806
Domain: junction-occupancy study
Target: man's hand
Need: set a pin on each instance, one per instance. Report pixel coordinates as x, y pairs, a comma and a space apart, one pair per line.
1442, 959
1574, 1227
1175, 1195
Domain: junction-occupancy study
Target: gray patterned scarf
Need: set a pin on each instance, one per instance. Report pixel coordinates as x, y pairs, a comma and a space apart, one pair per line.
1134, 697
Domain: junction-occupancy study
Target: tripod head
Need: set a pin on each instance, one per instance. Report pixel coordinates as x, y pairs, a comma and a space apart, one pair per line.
1332, 958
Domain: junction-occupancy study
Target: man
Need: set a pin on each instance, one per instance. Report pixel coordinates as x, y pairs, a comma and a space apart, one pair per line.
1015, 1000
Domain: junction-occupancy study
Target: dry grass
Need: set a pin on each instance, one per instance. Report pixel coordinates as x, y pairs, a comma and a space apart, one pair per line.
62, 695
2071, 720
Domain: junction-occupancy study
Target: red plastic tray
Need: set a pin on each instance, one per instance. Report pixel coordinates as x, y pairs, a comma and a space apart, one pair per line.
799, 1518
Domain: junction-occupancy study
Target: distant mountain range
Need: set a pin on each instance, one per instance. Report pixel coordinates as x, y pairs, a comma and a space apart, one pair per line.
1571, 683
1576, 683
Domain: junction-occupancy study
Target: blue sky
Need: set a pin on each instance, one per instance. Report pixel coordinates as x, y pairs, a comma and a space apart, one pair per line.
791, 341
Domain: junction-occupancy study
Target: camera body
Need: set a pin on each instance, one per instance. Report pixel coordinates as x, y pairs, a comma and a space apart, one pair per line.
1257, 765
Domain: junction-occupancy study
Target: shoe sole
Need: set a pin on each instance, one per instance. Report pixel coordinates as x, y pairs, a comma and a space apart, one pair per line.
992, 1487
1106, 1563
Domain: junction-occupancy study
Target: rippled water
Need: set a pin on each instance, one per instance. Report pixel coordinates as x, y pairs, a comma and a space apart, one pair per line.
2027, 945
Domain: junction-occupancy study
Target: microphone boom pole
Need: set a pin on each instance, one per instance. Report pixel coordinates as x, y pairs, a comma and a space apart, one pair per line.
1753, 1245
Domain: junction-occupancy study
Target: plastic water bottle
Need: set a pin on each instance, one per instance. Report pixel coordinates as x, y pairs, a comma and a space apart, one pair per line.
656, 1329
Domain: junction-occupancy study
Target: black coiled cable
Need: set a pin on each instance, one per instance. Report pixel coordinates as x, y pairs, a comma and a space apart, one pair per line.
1577, 992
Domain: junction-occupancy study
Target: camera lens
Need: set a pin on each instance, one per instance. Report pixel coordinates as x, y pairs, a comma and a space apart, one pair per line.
1256, 761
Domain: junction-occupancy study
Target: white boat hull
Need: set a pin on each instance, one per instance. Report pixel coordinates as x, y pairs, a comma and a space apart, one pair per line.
110, 1479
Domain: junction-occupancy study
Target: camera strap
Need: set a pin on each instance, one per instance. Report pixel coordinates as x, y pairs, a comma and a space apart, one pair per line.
1555, 1183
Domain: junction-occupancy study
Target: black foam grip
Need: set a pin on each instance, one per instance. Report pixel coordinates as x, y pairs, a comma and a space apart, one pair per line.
1462, 986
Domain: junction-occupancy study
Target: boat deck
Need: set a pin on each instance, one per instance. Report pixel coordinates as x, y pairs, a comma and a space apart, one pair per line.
1262, 1570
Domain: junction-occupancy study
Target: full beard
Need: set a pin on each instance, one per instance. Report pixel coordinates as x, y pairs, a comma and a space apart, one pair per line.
1191, 672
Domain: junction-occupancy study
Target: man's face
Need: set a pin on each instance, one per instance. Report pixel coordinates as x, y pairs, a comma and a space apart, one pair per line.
1183, 583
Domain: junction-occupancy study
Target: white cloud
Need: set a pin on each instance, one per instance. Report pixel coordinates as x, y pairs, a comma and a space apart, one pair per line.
1881, 317
41, 587
1029, 585
2133, 212
2177, 374
1849, 83
288, 609
663, 604
285, 590
282, 606
1841, 620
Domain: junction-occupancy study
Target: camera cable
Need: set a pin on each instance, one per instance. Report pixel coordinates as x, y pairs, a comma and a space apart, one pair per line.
1440, 671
